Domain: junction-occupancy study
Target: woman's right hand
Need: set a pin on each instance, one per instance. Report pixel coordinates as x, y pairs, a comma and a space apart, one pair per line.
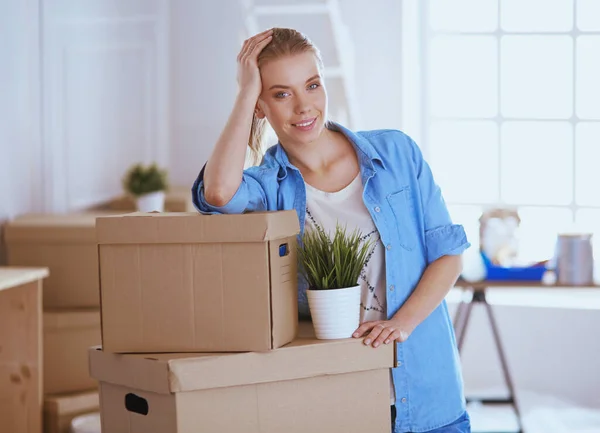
248, 73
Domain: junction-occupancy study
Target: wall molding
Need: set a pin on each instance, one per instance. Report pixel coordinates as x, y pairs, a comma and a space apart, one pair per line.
72, 44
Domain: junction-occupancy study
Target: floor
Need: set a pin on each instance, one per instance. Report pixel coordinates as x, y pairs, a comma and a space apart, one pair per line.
540, 414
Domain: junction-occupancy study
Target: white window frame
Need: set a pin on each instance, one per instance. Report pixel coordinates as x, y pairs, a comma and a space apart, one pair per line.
422, 123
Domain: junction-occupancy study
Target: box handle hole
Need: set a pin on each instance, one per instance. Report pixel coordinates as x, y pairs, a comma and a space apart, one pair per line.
283, 250
136, 404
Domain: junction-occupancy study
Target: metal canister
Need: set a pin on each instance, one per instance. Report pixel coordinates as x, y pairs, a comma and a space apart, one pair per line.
575, 259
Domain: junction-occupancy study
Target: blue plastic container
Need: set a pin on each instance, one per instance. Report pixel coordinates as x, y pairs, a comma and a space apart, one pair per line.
501, 273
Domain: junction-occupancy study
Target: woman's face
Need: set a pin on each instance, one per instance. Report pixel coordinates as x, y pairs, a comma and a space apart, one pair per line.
293, 98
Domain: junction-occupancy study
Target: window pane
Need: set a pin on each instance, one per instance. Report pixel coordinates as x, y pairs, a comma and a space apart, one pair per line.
587, 137
464, 15
588, 221
537, 15
538, 230
588, 15
537, 76
464, 160
468, 216
537, 165
463, 76
588, 72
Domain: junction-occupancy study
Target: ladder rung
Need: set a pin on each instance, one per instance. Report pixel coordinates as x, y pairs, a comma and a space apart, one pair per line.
291, 9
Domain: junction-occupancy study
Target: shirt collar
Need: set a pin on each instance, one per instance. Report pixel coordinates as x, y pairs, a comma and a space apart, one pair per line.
367, 153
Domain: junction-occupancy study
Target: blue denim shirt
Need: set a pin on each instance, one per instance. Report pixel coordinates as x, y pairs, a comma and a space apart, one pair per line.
408, 210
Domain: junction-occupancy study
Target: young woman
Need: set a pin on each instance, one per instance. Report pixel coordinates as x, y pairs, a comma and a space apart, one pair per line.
376, 181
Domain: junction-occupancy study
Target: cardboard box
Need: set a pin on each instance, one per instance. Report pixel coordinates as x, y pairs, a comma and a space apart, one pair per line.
67, 337
21, 349
186, 282
177, 199
66, 244
307, 386
59, 410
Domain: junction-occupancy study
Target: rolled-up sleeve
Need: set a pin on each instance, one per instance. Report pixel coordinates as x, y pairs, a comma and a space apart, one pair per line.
442, 237
250, 196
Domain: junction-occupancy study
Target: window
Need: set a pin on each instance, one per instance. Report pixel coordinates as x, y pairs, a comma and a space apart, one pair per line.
511, 112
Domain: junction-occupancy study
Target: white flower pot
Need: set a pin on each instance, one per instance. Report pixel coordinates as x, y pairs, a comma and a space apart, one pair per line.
154, 201
335, 312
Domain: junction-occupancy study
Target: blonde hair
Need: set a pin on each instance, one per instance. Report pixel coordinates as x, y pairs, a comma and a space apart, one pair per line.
285, 42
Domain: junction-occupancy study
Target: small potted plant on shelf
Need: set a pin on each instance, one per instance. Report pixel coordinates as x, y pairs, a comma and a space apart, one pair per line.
147, 184
332, 269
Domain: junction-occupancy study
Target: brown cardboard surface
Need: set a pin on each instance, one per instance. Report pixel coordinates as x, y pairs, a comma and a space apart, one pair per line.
307, 385
59, 410
181, 372
21, 350
66, 244
197, 283
193, 228
67, 337
351, 403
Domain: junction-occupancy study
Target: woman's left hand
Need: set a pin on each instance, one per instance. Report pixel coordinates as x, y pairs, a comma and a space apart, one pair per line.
382, 332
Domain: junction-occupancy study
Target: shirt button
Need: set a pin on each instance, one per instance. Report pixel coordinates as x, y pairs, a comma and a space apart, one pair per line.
392, 287
399, 364
403, 400
377, 209
389, 247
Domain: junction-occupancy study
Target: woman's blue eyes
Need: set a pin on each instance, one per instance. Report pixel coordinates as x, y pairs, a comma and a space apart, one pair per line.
313, 86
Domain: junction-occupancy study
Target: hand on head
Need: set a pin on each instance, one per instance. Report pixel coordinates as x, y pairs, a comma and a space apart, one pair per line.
248, 73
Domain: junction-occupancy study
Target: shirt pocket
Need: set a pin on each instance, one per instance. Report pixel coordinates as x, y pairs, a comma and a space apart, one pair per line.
405, 225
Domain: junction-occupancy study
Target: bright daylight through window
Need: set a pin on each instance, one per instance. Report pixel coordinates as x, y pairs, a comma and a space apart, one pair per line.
512, 112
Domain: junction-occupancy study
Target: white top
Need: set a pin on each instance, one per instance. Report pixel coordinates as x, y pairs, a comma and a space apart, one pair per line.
323, 211
13, 276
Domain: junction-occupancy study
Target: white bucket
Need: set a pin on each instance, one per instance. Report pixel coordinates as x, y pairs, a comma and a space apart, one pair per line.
154, 201
335, 312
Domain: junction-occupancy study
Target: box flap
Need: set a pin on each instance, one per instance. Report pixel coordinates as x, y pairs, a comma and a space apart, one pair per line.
58, 319
192, 227
303, 358
50, 228
149, 372
65, 404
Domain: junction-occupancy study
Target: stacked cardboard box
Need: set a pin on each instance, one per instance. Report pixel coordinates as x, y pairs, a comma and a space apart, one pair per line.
66, 244
200, 333
60, 410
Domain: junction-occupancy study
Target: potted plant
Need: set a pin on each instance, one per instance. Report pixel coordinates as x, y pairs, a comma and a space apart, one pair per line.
332, 269
148, 185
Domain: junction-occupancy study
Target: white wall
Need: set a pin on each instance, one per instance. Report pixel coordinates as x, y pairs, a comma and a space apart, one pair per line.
376, 33
84, 90
550, 349
105, 85
20, 138
205, 40
20, 135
